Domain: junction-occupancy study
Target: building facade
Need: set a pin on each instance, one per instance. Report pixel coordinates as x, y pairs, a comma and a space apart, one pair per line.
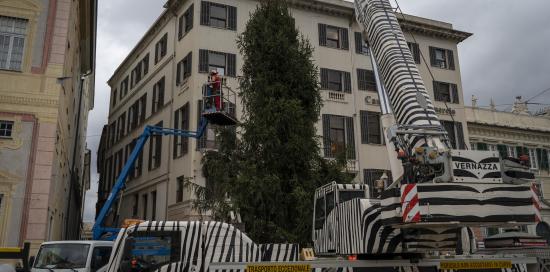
514, 134
46, 90
160, 83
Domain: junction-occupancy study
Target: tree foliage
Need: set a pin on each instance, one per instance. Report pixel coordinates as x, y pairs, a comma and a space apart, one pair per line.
270, 172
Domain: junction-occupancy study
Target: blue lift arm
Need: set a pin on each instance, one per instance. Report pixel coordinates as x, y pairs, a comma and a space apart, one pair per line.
98, 229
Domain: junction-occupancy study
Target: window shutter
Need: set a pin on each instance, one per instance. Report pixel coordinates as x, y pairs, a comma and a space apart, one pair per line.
482, 146
454, 94
502, 150
146, 64
178, 73
436, 91
350, 138
201, 142
232, 17
185, 126
176, 141
205, 13
231, 65
432, 56
191, 14
326, 135
451, 57
358, 43
347, 82
324, 78
362, 79
180, 26
345, 38
460, 135
544, 163
416, 52
364, 127
322, 35
189, 65
203, 61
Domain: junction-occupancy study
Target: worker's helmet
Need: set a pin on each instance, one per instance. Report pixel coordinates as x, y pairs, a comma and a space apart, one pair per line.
214, 72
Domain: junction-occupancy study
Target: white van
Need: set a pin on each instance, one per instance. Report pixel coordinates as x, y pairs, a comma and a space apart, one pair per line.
75, 256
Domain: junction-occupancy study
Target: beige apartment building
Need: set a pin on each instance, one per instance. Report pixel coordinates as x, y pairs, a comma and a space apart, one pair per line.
160, 82
515, 133
46, 90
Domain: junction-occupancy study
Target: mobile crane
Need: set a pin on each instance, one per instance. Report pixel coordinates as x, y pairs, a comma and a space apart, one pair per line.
437, 192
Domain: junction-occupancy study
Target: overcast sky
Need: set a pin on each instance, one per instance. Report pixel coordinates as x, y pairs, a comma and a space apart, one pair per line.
507, 55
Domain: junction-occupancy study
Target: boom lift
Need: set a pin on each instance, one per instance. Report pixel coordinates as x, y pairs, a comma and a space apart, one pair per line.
222, 114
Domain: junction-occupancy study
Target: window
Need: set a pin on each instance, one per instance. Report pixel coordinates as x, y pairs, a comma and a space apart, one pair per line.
12, 42
185, 22
145, 206
361, 46
502, 150
455, 134
136, 170
335, 37
446, 92
161, 48
442, 58
6, 129
415, 51
533, 158
224, 63
114, 97
167, 249
136, 113
155, 149
181, 121
158, 96
370, 176
100, 257
153, 205
121, 126
371, 127
319, 212
338, 136
366, 81
135, 207
141, 69
218, 15
124, 87
179, 190
184, 69
335, 80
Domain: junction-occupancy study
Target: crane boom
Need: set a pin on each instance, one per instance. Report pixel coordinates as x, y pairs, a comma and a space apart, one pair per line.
98, 229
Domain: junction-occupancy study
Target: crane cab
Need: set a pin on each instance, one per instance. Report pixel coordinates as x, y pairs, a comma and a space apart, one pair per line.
219, 102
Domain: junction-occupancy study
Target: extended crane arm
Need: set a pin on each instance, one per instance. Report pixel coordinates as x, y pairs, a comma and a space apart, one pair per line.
98, 229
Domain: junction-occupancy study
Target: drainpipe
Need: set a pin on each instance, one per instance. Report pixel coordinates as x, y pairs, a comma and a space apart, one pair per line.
74, 176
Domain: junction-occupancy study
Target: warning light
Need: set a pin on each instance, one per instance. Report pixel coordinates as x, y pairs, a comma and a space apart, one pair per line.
352, 258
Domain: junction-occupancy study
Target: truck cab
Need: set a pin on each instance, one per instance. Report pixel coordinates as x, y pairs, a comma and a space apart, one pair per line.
75, 256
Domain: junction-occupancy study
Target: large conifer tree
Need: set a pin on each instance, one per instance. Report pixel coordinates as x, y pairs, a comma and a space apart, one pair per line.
270, 172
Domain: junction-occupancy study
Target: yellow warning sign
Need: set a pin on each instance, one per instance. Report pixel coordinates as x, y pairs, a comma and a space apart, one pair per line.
279, 268
475, 264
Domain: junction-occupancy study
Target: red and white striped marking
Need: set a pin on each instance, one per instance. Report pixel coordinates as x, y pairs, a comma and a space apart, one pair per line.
536, 202
409, 203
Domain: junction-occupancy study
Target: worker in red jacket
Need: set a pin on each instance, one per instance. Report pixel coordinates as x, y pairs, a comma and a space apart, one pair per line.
215, 87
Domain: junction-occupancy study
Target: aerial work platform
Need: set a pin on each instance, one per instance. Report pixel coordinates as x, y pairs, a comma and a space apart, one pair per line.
219, 104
